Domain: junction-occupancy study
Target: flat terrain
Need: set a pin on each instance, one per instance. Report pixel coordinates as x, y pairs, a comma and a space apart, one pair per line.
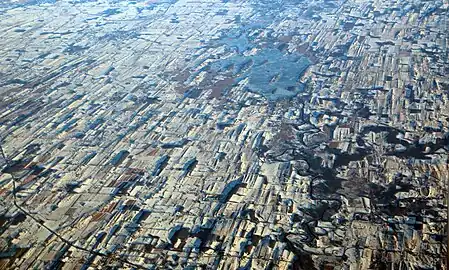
168, 134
